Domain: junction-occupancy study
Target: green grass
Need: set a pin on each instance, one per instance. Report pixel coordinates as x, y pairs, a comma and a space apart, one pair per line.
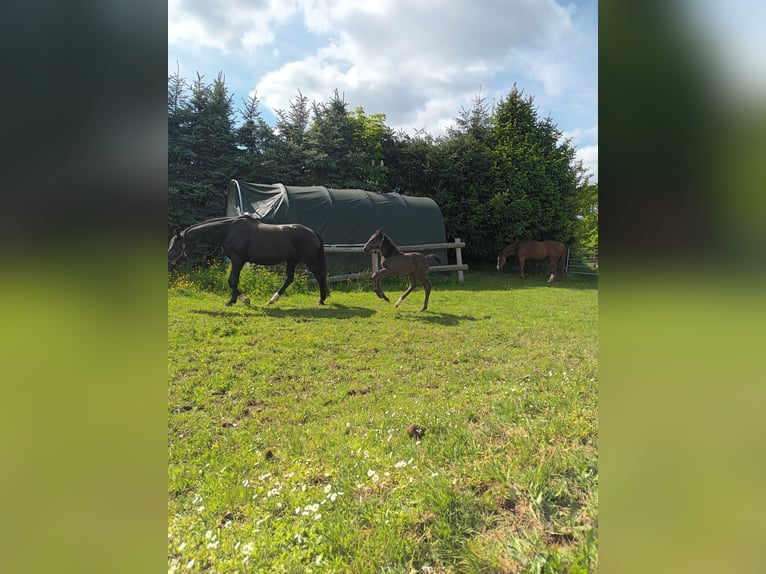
288, 448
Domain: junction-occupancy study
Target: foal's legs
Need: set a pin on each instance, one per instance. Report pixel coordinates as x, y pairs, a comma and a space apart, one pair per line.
427, 287
289, 277
236, 269
409, 290
376, 277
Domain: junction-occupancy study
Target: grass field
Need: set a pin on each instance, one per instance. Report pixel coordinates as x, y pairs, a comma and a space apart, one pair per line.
291, 437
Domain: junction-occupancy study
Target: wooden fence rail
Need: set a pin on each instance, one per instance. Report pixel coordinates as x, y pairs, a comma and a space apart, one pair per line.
457, 245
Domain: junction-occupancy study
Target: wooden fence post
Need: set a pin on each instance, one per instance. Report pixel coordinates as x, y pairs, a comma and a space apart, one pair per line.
459, 260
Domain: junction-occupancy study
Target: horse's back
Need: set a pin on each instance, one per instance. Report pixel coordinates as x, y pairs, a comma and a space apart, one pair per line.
541, 249
270, 244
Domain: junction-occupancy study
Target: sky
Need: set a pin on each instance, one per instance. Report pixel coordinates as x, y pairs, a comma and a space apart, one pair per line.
418, 62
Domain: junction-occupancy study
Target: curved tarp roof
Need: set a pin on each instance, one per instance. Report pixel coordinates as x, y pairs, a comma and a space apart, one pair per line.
341, 216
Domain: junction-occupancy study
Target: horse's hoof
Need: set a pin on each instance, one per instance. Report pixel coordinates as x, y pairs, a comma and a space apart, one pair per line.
229, 303
274, 298
245, 300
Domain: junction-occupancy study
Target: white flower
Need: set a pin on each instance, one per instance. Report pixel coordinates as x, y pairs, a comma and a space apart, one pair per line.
371, 472
208, 535
248, 548
375, 478
400, 464
190, 564
327, 488
317, 516
333, 496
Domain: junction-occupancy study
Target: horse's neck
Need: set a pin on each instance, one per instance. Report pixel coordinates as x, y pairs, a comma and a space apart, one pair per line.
509, 249
212, 231
387, 247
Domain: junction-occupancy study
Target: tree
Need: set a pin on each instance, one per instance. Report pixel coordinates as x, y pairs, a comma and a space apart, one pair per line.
536, 174
372, 137
202, 155
291, 145
586, 226
256, 140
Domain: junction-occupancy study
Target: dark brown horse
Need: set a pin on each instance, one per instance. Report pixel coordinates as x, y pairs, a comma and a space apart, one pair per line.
247, 240
394, 262
553, 251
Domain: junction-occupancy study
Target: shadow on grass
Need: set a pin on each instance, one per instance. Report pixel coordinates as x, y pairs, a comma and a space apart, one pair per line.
328, 311
446, 319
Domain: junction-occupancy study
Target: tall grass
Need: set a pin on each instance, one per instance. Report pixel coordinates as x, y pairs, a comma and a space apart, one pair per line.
289, 448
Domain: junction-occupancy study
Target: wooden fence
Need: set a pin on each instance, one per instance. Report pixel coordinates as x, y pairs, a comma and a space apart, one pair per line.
457, 245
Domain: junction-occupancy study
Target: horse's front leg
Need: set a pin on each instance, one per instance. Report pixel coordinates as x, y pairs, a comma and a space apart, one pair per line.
289, 278
236, 269
522, 261
376, 277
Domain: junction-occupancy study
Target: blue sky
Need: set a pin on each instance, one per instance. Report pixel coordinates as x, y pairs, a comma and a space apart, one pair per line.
419, 62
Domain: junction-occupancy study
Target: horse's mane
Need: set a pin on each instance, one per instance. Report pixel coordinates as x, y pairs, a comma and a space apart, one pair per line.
391, 245
209, 221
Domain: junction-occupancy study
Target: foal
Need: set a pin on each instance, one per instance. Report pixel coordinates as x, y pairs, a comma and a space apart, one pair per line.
394, 262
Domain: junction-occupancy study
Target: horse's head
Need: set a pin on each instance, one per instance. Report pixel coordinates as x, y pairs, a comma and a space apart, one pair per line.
176, 251
374, 241
507, 250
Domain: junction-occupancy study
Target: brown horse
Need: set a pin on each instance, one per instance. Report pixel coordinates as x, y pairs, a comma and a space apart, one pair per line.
394, 262
553, 251
245, 239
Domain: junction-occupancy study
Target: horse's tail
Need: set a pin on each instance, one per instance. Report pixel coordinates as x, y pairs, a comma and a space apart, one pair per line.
323, 266
434, 257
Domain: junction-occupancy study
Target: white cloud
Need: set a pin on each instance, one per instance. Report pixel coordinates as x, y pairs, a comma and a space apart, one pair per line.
419, 62
231, 26
589, 157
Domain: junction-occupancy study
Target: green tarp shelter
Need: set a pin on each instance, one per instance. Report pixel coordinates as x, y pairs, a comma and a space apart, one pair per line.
342, 216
